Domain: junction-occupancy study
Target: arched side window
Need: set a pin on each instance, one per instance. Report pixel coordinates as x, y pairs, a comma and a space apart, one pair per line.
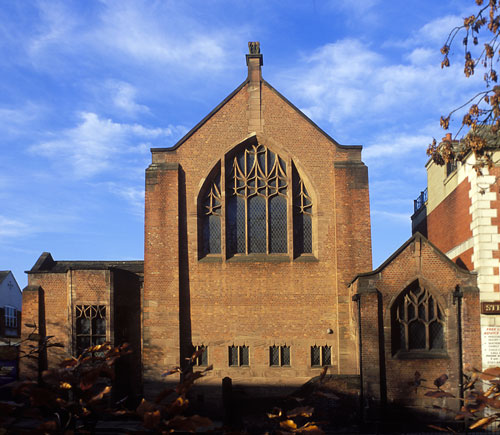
260, 189
302, 216
211, 217
417, 322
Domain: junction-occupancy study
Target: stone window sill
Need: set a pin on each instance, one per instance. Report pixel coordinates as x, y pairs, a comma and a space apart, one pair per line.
259, 258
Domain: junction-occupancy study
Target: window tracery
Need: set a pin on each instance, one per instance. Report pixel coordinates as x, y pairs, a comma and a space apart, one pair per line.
257, 202
302, 219
90, 326
261, 188
418, 321
212, 208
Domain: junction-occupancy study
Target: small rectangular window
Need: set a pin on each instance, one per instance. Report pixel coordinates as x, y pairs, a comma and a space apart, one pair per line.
450, 167
279, 356
202, 359
321, 356
10, 317
90, 328
238, 356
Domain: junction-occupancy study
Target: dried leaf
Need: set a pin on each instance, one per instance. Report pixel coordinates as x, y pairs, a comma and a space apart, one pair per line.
200, 421
439, 382
178, 405
146, 406
70, 362
184, 424
438, 428
483, 422
491, 373
303, 411
311, 429
288, 424
88, 379
152, 419
100, 395
171, 372
276, 413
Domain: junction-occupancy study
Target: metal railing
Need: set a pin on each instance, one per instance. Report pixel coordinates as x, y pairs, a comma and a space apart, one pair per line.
420, 201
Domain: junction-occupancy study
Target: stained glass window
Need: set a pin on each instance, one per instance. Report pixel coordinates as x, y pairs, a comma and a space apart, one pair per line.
417, 321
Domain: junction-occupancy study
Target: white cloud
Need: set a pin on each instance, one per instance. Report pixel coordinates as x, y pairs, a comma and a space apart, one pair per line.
133, 195
394, 216
357, 12
14, 120
13, 228
390, 146
348, 83
153, 34
94, 143
123, 96
434, 33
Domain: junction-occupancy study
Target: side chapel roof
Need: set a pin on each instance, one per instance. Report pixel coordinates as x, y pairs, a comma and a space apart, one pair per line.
46, 263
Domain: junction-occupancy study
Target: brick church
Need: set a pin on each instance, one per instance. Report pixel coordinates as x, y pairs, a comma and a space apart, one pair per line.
258, 251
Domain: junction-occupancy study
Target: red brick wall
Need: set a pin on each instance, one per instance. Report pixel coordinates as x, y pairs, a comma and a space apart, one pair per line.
28, 369
418, 260
465, 259
448, 224
256, 303
59, 295
57, 320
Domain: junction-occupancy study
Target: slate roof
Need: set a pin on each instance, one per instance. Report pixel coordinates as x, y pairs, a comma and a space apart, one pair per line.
47, 264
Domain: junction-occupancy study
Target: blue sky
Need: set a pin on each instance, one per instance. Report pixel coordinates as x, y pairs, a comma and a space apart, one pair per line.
87, 87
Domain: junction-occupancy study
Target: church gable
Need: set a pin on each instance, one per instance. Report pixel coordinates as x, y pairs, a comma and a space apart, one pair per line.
410, 313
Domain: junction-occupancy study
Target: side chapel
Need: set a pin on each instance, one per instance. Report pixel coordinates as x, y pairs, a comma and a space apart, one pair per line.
258, 250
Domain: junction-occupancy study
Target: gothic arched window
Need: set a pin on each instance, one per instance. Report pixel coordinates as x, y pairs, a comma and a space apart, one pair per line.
211, 217
417, 321
260, 190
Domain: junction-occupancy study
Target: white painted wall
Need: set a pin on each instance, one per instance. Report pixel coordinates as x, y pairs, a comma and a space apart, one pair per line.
10, 293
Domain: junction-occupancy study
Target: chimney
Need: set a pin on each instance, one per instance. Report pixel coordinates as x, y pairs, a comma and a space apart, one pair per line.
447, 137
254, 111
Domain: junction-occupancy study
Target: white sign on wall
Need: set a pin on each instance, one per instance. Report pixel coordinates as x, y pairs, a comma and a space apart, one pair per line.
491, 346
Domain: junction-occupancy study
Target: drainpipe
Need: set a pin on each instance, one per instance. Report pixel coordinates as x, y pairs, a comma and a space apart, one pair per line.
457, 300
357, 298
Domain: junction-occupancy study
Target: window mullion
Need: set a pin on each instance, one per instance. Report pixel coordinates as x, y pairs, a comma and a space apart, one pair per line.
268, 250
289, 207
223, 216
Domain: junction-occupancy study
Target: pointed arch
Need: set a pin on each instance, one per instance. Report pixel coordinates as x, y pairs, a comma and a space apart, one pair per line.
255, 202
417, 321
210, 214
